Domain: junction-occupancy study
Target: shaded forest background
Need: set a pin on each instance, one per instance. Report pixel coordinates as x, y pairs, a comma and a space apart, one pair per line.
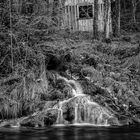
28, 23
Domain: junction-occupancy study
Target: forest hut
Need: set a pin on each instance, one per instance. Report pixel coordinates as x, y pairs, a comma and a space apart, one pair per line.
75, 15
83, 15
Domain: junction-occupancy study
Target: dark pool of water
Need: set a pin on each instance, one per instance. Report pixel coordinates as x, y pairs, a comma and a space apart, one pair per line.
71, 133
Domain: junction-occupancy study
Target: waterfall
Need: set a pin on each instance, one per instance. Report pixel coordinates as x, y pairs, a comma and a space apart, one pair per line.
60, 114
82, 109
76, 113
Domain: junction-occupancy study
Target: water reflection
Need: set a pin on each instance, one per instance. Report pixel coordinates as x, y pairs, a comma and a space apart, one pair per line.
71, 133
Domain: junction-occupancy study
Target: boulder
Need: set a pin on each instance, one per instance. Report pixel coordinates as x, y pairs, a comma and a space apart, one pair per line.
43, 118
81, 110
92, 74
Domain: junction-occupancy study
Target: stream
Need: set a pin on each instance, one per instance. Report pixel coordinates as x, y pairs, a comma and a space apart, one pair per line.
71, 133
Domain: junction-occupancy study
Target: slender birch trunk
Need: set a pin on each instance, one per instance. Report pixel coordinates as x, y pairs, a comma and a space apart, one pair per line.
107, 19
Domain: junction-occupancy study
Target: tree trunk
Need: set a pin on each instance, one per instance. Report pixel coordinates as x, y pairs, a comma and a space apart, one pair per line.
116, 18
95, 20
134, 11
107, 18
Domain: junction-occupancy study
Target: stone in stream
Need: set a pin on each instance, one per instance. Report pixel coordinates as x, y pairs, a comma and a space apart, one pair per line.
41, 119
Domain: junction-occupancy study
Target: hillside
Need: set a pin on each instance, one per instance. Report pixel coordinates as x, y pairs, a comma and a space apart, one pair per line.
107, 72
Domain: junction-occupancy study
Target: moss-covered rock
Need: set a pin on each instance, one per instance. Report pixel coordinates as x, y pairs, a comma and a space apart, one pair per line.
41, 119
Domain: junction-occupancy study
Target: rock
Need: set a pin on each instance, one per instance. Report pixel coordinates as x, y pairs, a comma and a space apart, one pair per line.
113, 121
100, 67
9, 123
82, 110
49, 104
50, 117
88, 87
136, 120
69, 114
108, 41
56, 95
89, 60
92, 74
79, 109
126, 38
108, 81
125, 122
45, 118
116, 76
127, 52
33, 121
107, 67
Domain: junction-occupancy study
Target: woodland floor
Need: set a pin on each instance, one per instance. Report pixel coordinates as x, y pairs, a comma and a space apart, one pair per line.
108, 71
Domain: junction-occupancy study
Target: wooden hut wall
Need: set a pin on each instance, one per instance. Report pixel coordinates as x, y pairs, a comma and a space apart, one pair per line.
72, 20
76, 2
74, 23
70, 17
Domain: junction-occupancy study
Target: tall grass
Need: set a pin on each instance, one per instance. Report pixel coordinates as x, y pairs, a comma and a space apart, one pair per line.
23, 79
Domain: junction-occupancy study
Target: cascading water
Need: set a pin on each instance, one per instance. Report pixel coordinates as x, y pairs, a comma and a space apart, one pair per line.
79, 109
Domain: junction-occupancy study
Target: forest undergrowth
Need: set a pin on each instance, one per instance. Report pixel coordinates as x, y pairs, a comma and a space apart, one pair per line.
34, 51
109, 72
